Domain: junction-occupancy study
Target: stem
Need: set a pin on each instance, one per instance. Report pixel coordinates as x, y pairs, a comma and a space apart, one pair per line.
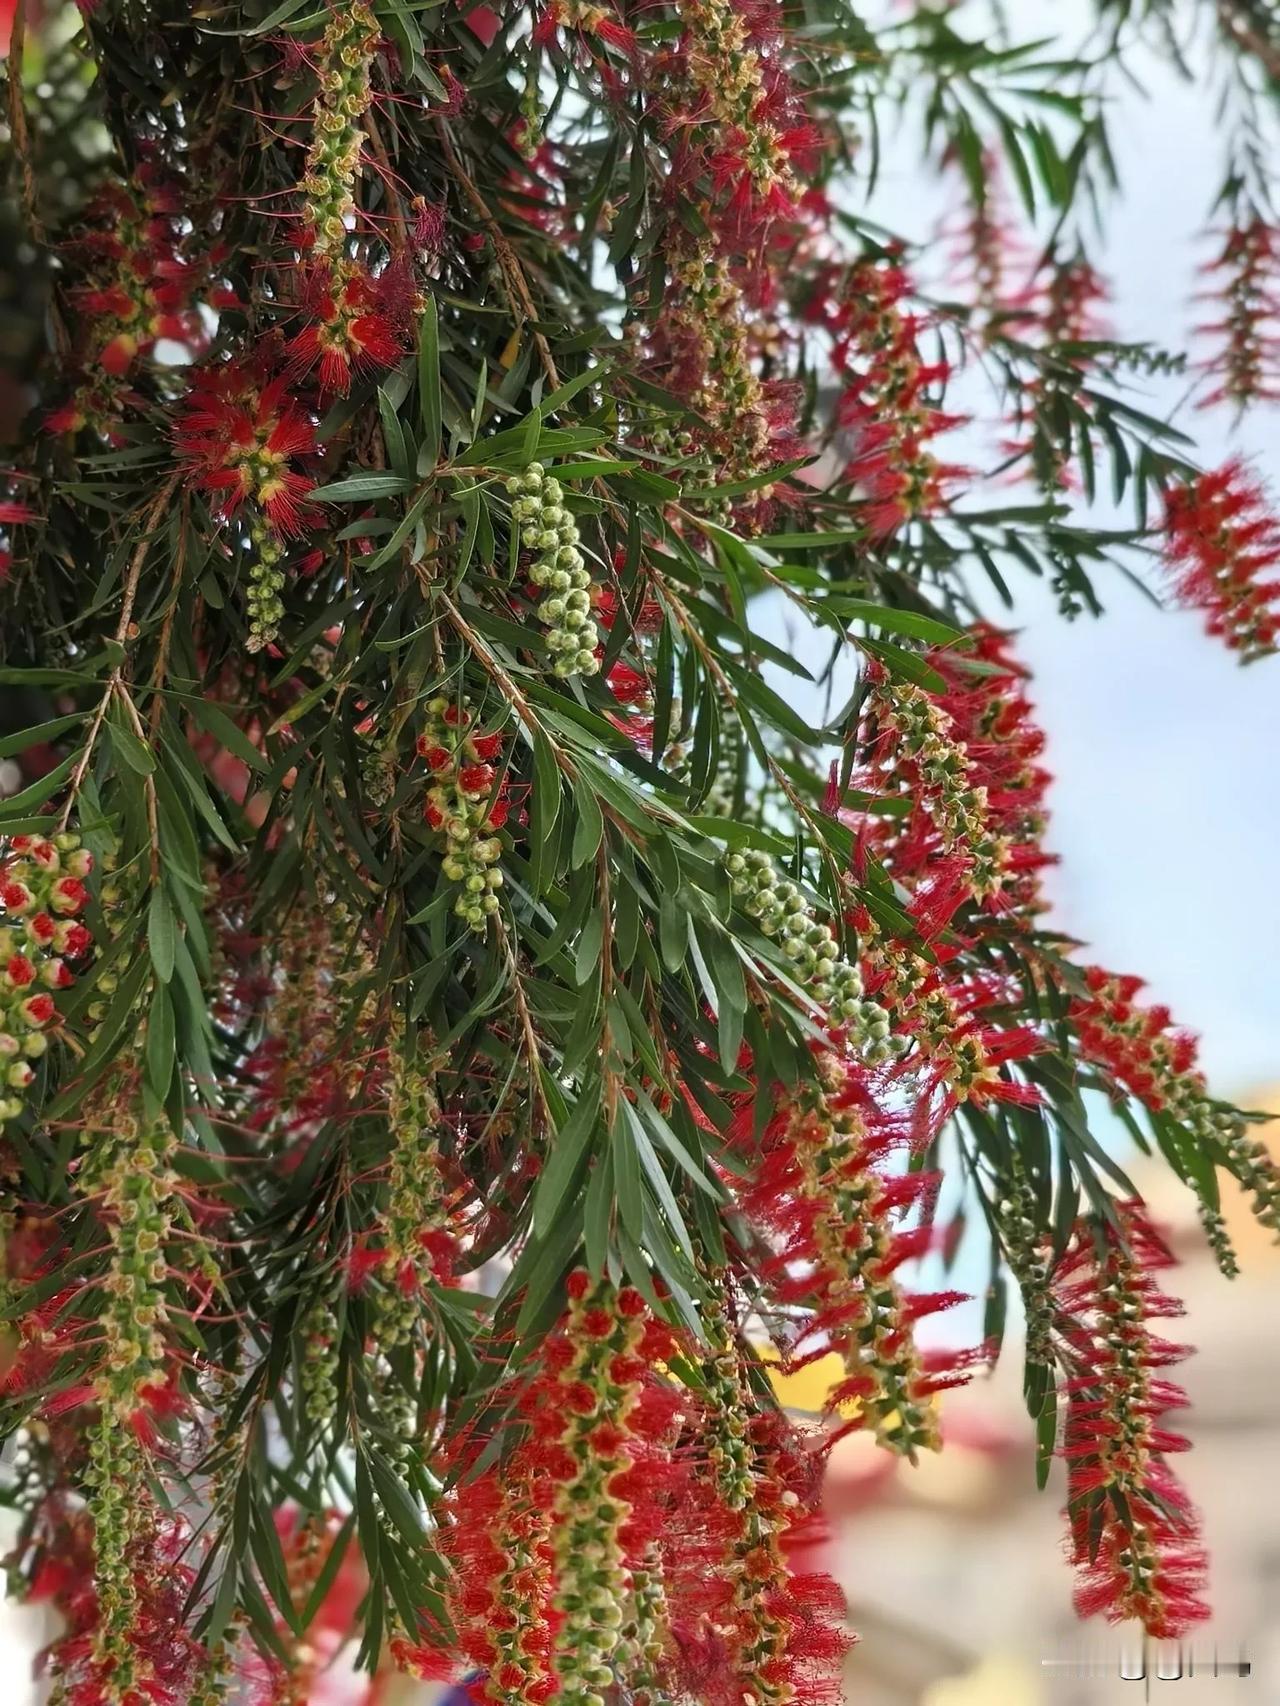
519, 297
1243, 34
115, 681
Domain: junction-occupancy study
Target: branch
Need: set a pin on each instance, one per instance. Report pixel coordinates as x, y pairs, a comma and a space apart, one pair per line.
115, 681
519, 297
1249, 40
20, 138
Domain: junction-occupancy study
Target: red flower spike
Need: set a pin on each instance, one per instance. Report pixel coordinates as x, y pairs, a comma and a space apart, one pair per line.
1222, 547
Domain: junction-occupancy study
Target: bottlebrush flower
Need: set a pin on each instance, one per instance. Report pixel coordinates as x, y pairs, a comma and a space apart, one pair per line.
417, 1241
744, 1626
888, 412
467, 802
159, 1660
1059, 312
742, 116
1133, 1535
1245, 366
587, 20
589, 1513
703, 347
1221, 542
1140, 1050
964, 760
41, 893
817, 1188
986, 248
355, 323
239, 435
344, 60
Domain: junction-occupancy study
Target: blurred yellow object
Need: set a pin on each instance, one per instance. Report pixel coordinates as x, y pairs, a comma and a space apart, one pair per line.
1000, 1680
808, 1388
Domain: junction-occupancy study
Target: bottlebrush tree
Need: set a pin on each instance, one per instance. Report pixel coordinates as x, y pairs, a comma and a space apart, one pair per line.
463, 1021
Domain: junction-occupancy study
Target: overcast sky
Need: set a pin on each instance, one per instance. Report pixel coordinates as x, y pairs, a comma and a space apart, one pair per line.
1166, 809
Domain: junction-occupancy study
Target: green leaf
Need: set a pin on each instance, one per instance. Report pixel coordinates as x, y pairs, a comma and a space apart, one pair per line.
358, 486
905, 665
566, 1147
931, 629
162, 934
134, 752
159, 1053
429, 410
590, 825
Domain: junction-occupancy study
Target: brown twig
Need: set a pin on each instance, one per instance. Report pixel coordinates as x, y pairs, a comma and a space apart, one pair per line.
1244, 35
531, 1046
20, 140
116, 685
399, 219
519, 298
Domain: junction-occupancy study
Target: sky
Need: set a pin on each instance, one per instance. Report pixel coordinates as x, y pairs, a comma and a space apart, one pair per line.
1166, 804
1166, 808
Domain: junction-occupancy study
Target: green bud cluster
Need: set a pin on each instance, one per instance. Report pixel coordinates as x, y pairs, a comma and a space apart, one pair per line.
645, 1629
467, 804
1218, 1239
1249, 1160
780, 908
958, 808
266, 582
548, 530
328, 184
1019, 1219
590, 1568
415, 1195
318, 1365
132, 1170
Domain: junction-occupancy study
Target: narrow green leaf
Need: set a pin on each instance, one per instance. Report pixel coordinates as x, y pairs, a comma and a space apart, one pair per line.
162, 934
429, 405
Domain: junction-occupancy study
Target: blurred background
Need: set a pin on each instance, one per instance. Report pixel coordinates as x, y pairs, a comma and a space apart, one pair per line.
1166, 815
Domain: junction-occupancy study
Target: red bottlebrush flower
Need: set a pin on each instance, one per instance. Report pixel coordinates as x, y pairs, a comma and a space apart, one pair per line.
16, 514
438, 757
41, 928
817, 1189
356, 323
986, 248
1221, 543
20, 972
1245, 364
476, 778
579, 1399
428, 225
887, 413
361, 1264
117, 356
1134, 1537
239, 436
627, 685
485, 747
68, 896
38, 1009
74, 940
